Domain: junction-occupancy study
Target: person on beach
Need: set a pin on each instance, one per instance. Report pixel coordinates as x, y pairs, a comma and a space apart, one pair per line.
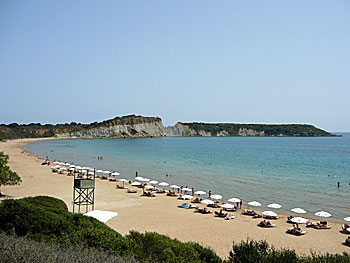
166, 175
192, 191
338, 184
181, 188
240, 204
209, 194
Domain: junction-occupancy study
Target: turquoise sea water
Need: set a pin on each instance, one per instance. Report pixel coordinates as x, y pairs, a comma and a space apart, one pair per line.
294, 172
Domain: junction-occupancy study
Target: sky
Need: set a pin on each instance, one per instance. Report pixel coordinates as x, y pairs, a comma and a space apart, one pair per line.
205, 61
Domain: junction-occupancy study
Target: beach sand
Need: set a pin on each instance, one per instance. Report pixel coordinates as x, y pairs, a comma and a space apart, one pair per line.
161, 214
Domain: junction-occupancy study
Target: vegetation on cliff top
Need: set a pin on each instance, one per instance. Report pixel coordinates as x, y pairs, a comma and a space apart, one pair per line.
233, 129
37, 130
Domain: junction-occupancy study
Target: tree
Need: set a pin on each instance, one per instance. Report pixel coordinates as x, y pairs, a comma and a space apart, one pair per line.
7, 177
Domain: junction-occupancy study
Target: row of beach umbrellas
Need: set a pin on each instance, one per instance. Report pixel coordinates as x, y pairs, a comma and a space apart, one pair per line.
151, 183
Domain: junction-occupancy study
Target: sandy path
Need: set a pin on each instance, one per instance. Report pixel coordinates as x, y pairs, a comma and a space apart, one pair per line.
161, 214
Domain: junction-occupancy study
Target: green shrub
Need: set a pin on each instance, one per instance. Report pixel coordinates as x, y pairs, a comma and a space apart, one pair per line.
260, 251
160, 248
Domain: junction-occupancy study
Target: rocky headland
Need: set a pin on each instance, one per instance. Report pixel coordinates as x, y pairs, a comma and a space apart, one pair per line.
132, 126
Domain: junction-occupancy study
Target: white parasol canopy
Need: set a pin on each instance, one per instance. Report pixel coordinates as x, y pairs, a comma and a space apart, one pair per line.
347, 219
277, 206
174, 186
72, 166
234, 200
269, 213
107, 172
254, 203
149, 186
186, 189
200, 193
207, 202
298, 210
323, 214
56, 162
153, 182
299, 220
78, 167
123, 180
91, 173
63, 169
99, 171
102, 216
227, 206
186, 197
115, 174
163, 184
216, 197
136, 184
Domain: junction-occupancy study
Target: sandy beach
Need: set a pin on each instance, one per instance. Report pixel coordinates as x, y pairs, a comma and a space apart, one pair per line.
161, 214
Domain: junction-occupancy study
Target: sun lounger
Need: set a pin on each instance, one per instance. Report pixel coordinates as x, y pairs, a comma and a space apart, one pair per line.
257, 216
186, 206
321, 225
249, 212
347, 241
296, 232
120, 186
265, 223
204, 211
220, 214
229, 217
132, 191
160, 191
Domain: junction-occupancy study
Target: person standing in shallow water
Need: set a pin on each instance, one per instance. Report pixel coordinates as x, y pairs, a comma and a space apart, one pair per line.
209, 193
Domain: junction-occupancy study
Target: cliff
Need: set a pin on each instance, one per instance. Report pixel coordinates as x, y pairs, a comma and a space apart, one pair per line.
141, 127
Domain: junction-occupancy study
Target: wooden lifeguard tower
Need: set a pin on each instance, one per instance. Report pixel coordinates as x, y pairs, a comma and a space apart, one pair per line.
84, 191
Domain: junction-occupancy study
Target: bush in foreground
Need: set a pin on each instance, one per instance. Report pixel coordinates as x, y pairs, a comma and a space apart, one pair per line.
47, 219
23, 250
251, 251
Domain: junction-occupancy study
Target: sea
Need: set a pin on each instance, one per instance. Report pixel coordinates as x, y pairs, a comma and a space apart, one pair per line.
292, 171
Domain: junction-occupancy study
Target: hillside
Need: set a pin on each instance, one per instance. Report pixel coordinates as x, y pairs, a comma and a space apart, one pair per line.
132, 126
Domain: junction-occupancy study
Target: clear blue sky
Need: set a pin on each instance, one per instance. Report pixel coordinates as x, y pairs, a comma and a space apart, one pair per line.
210, 61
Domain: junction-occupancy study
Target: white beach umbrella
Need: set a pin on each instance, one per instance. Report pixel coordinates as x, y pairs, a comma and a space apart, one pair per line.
207, 202
72, 166
60, 163
234, 200
298, 210
91, 169
277, 206
63, 169
99, 171
67, 164
174, 186
347, 219
323, 214
200, 192
163, 184
136, 184
107, 172
138, 178
153, 182
91, 173
254, 203
227, 206
299, 220
115, 174
71, 169
145, 180
78, 167
123, 180
149, 186
269, 213
186, 189
216, 197
56, 162
186, 197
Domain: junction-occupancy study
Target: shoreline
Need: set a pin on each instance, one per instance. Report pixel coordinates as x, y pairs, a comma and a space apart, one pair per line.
161, 214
